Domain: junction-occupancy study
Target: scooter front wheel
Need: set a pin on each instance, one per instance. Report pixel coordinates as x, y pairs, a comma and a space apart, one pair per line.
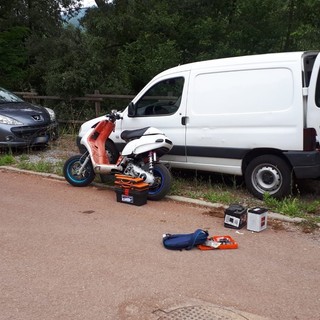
71, 171
162, 182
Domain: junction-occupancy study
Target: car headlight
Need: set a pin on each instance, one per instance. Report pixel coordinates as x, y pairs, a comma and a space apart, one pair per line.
51, 114
8, 120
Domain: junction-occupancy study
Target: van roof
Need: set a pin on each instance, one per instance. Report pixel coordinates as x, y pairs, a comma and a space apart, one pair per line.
241, 60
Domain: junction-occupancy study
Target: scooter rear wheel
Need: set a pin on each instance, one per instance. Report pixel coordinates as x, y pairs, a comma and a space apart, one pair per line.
162, 182
71, 171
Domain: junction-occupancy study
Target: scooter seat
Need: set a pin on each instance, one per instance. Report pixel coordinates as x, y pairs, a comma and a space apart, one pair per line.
133, 134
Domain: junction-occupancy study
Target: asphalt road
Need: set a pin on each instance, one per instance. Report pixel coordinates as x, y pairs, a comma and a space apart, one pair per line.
76, 253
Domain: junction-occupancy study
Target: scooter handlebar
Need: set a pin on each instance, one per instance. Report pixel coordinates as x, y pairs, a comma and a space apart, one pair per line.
114, 115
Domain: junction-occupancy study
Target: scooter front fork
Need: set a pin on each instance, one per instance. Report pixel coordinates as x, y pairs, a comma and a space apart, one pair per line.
86, 160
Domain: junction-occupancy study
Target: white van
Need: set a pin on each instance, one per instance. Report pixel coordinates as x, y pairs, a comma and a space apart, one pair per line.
256, 116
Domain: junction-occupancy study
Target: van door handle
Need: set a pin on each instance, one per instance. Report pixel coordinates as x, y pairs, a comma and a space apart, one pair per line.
184, 120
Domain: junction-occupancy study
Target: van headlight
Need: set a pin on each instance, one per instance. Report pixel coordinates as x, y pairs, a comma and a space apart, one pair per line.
51, 114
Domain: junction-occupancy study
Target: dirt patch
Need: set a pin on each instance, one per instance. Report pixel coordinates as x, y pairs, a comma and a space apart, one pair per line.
277, 225
215, 212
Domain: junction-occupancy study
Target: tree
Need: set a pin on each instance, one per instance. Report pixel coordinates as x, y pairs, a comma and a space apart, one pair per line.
68, 71
13, 59
123, 43
23, 26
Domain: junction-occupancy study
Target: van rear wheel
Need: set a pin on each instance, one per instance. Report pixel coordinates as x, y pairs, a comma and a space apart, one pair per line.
268, 174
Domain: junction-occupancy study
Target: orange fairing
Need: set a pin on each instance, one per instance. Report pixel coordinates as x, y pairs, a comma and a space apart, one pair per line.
97, 141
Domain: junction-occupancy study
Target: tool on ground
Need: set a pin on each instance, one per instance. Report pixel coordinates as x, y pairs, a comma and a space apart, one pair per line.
218, 242
131, 190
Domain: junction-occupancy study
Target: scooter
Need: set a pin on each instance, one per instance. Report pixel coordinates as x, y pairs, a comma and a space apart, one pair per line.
139, 158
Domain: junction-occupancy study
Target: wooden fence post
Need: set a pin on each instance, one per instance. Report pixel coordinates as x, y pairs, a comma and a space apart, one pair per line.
34, 93
97, 105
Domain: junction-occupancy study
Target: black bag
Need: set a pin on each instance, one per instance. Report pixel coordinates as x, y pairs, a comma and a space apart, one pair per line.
184, 241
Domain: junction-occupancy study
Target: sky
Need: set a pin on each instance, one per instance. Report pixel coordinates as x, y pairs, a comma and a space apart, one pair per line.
88, 3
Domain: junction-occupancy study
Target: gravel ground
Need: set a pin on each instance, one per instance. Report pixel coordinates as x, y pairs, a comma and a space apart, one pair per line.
55, 152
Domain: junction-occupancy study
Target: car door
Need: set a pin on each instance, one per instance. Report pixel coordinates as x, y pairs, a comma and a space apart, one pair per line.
162, 104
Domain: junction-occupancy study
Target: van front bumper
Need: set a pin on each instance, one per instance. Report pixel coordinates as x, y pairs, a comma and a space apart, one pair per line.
306, 165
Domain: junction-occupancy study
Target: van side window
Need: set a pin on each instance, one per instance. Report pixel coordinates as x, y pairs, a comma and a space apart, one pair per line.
161, 99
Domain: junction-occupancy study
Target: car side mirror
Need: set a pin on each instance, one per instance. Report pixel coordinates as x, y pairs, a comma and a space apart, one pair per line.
131, 109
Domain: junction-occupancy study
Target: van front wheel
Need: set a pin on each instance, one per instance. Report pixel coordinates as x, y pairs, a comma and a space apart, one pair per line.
268, 174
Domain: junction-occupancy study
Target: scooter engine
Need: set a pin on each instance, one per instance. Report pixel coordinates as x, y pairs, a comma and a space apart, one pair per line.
137, 172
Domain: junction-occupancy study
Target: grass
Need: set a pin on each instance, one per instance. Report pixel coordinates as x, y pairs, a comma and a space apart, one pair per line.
198, 186
201, 190
7, 160
42, 166
296, 207
229, 190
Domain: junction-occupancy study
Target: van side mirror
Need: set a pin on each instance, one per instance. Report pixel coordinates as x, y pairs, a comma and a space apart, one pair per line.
131, 109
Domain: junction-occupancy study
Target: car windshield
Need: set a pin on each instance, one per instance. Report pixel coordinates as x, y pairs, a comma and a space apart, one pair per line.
6, 96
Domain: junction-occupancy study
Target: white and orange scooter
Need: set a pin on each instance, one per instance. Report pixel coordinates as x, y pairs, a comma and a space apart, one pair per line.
139, 157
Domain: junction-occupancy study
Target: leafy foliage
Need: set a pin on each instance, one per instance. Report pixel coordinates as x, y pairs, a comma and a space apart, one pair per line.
25, 27
13, 55
121, 44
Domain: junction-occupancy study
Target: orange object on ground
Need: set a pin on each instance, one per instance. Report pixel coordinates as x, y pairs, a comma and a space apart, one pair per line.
123, 181
131, 190
218, 242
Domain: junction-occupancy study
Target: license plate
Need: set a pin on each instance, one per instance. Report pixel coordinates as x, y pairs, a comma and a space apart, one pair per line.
43, 139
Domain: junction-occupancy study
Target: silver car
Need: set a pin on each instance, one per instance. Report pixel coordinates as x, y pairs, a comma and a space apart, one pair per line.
23, 124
